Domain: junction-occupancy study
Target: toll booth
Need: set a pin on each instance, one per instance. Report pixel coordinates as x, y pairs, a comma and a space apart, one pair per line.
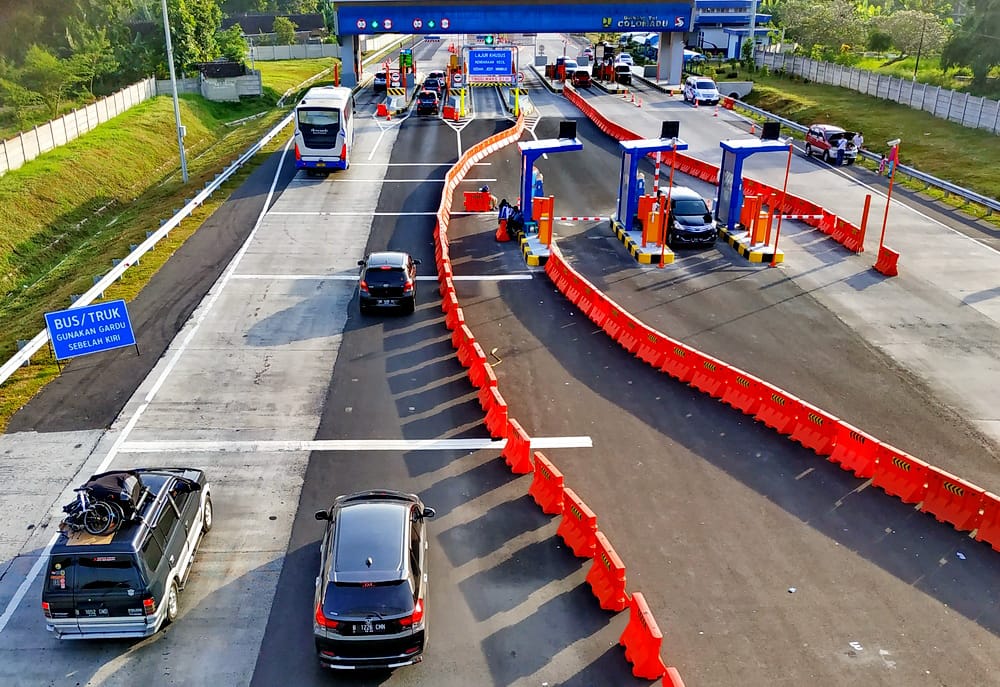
729, 201
628, 187
532, 150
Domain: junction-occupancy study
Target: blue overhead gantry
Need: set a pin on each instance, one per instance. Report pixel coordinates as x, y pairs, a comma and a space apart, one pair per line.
632, 153
672, 20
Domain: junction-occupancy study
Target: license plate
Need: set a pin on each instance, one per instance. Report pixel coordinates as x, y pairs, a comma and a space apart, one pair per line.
386, 301
321, 164
369, 628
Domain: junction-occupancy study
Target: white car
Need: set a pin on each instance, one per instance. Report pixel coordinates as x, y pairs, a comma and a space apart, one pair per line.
624, 58
702, 90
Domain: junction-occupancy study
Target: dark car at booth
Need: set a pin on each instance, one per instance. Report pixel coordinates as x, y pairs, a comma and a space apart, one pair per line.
388, 280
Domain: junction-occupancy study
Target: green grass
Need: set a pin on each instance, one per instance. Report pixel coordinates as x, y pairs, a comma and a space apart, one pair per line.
67, 214
284, 74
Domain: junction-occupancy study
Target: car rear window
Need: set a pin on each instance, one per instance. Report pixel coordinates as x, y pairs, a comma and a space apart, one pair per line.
427, 97
107, 572
690, 207
390, 276
386, 598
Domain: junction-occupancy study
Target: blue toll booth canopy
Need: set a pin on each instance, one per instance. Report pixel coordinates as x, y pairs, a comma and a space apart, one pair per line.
734, 152
531, 151
628, 187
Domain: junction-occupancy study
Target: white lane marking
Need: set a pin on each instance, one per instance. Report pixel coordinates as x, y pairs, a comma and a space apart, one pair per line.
378, 141
268, 446
116, 447
415, 164
365, 213
354, 277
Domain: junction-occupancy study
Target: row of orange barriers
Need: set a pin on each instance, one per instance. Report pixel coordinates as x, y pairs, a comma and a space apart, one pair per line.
950, 499
641, 638
851, 236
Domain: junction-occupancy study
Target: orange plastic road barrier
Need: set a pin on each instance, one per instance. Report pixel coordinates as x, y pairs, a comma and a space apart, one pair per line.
742, 391
449, 302
672, 678
471, 355
854, 451
989, 528
455, 317
887, 262
839, 233
573, 290
381, 110
578, 527
707, 374
678, 363
642, 640
607, 576
477, 201
953, 500
477, 367
586, 300
489, 379
461, 336
899, 474
547, 486
599, 310
445, 286
815, 429
652, 349
631, 333
517, 452
778, 410
444, 269
828, 223
496, 416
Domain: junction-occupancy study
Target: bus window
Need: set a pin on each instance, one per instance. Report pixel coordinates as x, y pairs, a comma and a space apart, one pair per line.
319, 127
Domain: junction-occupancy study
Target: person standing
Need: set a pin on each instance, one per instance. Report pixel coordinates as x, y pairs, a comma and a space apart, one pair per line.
893, 159
858, 141
841, 149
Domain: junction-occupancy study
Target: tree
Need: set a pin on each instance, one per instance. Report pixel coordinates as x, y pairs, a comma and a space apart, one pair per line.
879, 41
232, 45
13, 95
193, 28
94, 58
912, 31
284, 31
48, 76
829, 24
974, 44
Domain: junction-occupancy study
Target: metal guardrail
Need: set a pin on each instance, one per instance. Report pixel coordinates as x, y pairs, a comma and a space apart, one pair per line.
990, 204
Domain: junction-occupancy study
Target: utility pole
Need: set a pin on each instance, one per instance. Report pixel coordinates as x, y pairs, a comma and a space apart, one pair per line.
173, 86
920, 46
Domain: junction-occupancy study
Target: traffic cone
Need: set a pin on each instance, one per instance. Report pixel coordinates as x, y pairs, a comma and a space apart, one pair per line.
695, 103
640, 102
716, 114
753, 128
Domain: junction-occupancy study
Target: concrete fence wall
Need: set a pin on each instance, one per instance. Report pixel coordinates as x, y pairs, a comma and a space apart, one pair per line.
220, 90
268, 53
28, 145
968, 110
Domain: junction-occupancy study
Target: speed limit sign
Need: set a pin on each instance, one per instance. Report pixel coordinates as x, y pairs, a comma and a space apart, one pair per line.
456, 80
520, 77
394, 77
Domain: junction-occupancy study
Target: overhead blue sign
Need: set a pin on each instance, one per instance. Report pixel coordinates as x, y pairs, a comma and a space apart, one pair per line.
90, 329
544, 17
491, 62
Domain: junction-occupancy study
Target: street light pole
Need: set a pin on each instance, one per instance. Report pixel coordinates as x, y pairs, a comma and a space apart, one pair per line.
173, 86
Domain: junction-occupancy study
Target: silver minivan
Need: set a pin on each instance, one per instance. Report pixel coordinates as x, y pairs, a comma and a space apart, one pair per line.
702, 90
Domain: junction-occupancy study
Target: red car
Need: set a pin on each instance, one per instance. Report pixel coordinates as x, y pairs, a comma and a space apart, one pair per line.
822, 139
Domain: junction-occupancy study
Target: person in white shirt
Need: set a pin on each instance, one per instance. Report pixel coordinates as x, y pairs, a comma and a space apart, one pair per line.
858, 141
841, 149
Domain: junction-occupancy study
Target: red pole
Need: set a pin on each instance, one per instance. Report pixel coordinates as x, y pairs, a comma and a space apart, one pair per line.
888, 197
864, 218
784, 191
670, 187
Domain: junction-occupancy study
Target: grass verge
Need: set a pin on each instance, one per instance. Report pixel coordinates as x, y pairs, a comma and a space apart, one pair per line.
66, 215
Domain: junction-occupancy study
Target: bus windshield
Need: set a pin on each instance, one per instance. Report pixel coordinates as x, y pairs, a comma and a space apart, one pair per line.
319, 127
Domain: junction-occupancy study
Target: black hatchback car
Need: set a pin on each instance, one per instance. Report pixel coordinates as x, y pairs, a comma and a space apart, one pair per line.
371, 592
428, 102
388, 280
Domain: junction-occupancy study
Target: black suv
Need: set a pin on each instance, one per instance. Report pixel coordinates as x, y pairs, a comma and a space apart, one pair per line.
428, 102
388, 280
371, 592
126, 583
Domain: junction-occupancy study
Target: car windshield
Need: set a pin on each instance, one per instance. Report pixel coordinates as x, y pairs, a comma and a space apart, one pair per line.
705, 85
382, 599
692, 207
385, 276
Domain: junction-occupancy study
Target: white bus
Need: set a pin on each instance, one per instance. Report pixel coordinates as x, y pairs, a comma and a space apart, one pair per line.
324, 129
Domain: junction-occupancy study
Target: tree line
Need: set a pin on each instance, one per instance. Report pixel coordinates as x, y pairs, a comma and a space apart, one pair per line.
55, 51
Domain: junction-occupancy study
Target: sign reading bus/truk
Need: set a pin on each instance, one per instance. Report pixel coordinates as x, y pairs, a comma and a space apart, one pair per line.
90, 329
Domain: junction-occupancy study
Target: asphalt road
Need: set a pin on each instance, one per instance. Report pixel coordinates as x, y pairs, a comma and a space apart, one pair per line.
717, 519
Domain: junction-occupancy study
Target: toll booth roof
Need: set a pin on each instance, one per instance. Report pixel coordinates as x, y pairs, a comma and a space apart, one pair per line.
753, 145
550, 145
652, 145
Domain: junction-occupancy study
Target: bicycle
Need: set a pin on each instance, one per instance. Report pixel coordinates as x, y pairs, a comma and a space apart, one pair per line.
96, 517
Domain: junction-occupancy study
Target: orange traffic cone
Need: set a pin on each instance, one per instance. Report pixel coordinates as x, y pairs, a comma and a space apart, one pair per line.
753, 128
640, 102
695, 103
716, 114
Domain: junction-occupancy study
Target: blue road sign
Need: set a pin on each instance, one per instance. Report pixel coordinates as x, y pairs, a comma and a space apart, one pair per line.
90, 329
491, 62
